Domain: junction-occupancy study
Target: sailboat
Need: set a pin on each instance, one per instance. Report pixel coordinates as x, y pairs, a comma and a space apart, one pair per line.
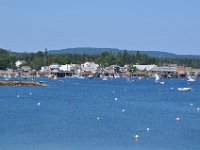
157, 78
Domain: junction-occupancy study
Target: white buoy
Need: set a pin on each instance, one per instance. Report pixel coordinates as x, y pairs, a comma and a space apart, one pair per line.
18, 95
178, 119
115, 99
98, 118
123, 110
191, 104
38, 104
30, 93
136, 137
148, 129
198, 109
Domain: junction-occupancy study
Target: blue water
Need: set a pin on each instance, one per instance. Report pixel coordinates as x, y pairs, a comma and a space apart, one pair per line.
82, 114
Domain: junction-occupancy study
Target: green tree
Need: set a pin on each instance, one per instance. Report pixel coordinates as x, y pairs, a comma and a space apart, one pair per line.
132, 69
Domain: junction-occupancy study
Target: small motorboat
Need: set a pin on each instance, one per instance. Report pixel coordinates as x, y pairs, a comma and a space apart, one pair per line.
184, 89
162, 83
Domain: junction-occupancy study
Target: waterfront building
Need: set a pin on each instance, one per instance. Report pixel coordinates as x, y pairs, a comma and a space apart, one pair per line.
170, 71
24, 71
90, 67
45, 69
144, 67
111, 70
6, 73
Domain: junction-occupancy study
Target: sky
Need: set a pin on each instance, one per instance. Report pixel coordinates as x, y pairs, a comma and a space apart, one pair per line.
160, 25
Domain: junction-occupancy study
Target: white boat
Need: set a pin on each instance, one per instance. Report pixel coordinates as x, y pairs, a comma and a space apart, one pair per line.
104, 78
90, 76
116, 76
7, 77
55, 77
111, 76
140, 78
157, 78
190, 79
162, 82
185, 89
81, 77
74, 76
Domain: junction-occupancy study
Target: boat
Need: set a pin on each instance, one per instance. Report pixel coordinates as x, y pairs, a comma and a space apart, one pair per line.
190, 79
75, 76
157, 78
7, 77
184, 89
116, 76
55, 77
104, 78
140, 78
81, 77
162, 82
91, 76
111, 76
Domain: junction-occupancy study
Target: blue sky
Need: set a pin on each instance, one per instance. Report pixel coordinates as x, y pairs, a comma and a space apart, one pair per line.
165, 25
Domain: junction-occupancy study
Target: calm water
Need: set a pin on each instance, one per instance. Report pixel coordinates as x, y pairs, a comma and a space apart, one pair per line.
83, 114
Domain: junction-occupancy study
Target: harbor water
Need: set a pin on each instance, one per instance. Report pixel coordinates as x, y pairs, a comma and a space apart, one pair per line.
95, 114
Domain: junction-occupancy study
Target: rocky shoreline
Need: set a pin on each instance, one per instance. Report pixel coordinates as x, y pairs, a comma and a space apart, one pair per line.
21, 83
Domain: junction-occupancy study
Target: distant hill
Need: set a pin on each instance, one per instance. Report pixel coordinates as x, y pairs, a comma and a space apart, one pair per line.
84, 50
96, 51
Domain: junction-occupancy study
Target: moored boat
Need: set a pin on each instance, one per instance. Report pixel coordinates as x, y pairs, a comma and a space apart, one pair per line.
184, 89
191, 79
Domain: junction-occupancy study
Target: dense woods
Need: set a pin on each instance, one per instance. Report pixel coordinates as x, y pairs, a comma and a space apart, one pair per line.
38, 59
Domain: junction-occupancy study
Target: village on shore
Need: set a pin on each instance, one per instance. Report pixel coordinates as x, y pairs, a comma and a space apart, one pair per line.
91, 70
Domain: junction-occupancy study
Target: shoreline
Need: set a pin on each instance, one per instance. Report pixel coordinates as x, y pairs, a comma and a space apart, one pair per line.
21, 83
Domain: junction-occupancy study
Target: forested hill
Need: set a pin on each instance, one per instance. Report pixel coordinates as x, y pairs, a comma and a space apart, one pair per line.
84, 50
98, 51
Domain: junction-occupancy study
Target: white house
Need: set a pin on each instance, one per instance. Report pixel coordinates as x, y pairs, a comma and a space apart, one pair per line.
19, 62
54, 67
90, 66
45, 69
67, 67
144, 67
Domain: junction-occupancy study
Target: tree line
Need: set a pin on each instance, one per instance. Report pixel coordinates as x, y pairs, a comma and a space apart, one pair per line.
39, 59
